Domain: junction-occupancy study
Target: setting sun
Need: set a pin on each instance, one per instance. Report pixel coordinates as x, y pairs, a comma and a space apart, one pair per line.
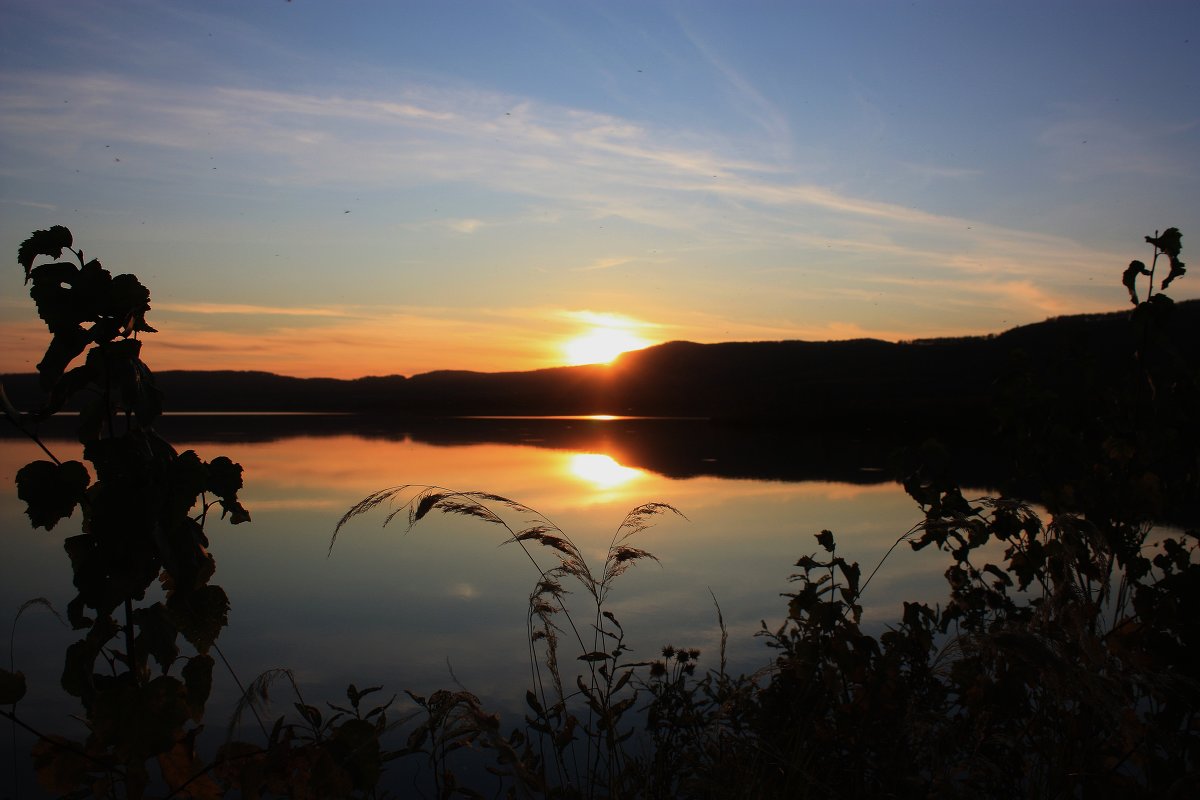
601, 346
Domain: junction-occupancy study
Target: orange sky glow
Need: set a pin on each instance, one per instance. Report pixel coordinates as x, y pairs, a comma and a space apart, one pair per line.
401, 189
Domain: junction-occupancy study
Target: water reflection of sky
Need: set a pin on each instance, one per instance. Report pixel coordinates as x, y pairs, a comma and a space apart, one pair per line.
403, 609
601, 472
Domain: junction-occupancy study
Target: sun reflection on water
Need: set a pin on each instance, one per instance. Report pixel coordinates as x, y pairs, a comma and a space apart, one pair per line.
600, 470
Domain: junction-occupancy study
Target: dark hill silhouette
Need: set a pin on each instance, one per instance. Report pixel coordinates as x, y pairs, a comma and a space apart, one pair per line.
862, 384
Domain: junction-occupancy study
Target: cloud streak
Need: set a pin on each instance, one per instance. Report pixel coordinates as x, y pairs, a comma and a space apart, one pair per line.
245, 309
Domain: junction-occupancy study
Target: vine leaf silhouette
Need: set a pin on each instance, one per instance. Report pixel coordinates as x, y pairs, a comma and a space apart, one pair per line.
1177, 270
51, 491
1130, 276
1169, 241
43, 243
12, 687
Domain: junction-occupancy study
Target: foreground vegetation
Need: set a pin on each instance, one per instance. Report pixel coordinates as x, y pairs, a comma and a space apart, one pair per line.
1066, 667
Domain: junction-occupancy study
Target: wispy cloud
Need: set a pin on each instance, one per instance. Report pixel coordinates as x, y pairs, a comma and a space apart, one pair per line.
594, 163
939, 171
382, 340
30, 204
815, 243
245, 309
1085, 142
604, 263
773, 122
465, 225
607, 320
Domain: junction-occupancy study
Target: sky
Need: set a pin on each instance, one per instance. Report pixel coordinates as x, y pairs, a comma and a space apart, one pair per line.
368, 188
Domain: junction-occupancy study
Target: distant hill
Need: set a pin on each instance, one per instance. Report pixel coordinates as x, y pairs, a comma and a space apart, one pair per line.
862, 383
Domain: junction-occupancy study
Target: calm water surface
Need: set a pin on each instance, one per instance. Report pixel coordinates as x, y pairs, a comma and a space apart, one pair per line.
405, 610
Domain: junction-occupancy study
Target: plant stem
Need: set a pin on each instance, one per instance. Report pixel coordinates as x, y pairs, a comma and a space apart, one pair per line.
1153, 264
242, 689
131, 661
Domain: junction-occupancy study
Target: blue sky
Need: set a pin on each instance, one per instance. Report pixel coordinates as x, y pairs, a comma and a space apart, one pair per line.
518, 173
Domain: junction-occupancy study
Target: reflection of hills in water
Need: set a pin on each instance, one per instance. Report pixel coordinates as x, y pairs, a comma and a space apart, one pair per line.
675, 448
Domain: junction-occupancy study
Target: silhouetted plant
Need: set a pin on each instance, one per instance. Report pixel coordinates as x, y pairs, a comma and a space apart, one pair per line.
317, 756
143, 523
1066, 669
1169, 243
591, 704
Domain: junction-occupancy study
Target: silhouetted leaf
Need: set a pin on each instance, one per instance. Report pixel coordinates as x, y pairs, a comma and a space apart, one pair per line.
180, 765
43, 243
619, 708
188, 478
58, 303
242, 765
12, 687
225, 480
224, 477
1177, 270
127, 301
200, 615
852, 573
156, 635
66, 345
139, 721
66, 385
88, 289
61, 765
75, 608
417, 738
91, 419
197, 678
999, 573
236, 511
825, 539
355, 748
1130, 276
76, 677
51, 491
311, 714
1169, 241
355, 695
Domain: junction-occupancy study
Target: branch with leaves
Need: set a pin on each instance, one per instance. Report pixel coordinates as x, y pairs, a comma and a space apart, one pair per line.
142, 531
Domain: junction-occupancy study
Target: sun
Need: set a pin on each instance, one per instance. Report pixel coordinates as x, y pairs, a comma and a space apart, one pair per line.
601, 345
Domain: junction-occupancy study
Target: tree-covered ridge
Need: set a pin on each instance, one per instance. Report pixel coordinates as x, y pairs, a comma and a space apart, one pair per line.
852, 383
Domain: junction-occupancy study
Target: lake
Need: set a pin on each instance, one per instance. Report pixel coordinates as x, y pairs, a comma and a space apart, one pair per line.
445, 604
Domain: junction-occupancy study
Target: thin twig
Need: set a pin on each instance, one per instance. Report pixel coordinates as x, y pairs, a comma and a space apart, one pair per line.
241, 688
